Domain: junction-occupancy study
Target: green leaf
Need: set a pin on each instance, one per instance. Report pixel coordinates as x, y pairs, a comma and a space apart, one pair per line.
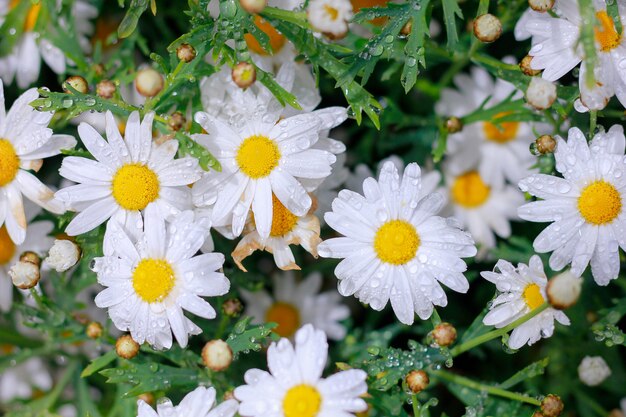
245, 337
588, 40
134, 12
192, 148
414, 49
98, 363
451, 10
530, 371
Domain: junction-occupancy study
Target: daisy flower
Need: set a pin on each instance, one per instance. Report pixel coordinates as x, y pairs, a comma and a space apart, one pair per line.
484, 210
498, 149
396, 248
522, 290
25, 140
128, 175
293, 387
198, 403
22, 380
150, 281
294, 304
24, 61
330, 17
585, 206
557, 50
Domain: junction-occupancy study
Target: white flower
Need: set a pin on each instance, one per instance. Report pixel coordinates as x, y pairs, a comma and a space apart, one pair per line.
198, 403
294, 304
25, 140
330, 16
63, 255
498, 149
395, 246
328, 189
20, 381
294, 386
150, 281
586, 206
540, 93
522, 290
480, 208
593, 370
128, 175
557, 50
24, 61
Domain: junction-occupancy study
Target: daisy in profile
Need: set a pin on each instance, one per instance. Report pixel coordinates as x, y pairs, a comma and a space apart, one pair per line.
395, 246
521, 290
557, 50
198, 403
127, 175
586, 206
151, 281
25, 140
294, 386
295, 304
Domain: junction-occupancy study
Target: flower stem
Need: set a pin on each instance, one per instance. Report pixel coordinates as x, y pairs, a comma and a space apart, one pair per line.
417, 412
457, 379
593, 119
479, 340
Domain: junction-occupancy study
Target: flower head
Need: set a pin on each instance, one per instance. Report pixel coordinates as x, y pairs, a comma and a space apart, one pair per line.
198, 403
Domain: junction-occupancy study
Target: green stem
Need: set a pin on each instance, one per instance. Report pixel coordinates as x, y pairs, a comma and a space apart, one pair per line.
457, 379
222, 326
417, 412
593, 119
479, 340
298, 18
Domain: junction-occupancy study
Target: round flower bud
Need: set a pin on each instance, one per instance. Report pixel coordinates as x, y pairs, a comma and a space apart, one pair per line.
524, 65
31, 257
545, 144
186, 52
148, 82
454, 124
541, 5
147, 397
94, 330
98, 69
176, 121
537, 414
593, 370
232, 307
417, 381
106, 89
563, 290
63, 255
444, 334
616, 413
540, 93
253, 6
244, 74
126, 347
77, 82
407, 28
551, 406
217, 355
24, 275
487, 28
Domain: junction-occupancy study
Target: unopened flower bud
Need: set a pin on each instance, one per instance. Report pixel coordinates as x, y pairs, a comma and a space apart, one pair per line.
417, 381
593, 370
616, 413
232, 307
563, 290
94, 330
186, 52
63, 255
524, 65
77, 82
537, 414
176, 121
444, 334
541, 93
543, 145
106, 89
217, 355
541, 5
147, 397
551, 406
407, 28
148, 82
253, 6
454, 124
98, 69
31, 257
126, 347
24, 275
244, 74
487, 28
229, 395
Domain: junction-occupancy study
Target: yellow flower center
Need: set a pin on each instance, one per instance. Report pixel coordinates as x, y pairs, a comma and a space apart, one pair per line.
396, 242
153, 279
532, 296
31, 15
257, 156
9, 162
469, 190
283, 221
331, 11
7, 247
302, 401
600, 203
277, 41
501, 133
286, 316
606, 34
135, 186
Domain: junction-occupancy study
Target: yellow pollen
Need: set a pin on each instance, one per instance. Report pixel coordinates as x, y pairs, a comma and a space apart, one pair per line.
9, 162
277, 41
283, 221
153, 279
31, 15
302, 401
286, 316
469, 190
600, 203
532, 296
257, 156
7, 247
135, 186
121, 126
396, 242
606, 34
502, 132
331, 11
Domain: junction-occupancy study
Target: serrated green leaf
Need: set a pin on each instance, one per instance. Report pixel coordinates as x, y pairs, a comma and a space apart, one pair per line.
245, 337
151, 377
530, 371
134, 12
98, 363
451, 11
